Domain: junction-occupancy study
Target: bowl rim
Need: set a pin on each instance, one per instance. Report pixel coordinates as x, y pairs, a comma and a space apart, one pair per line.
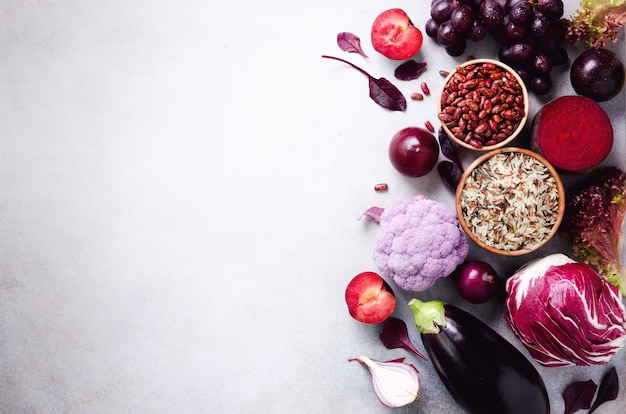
560, 191
519, 128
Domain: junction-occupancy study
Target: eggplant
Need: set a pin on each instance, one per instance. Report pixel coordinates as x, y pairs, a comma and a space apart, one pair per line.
483, 371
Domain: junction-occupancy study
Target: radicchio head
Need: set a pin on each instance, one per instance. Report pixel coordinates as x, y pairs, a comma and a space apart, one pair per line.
565, 313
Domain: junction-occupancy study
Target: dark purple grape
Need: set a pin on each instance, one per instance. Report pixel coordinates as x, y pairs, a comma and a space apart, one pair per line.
548, 43
559, 56
477, 33
441, 11
504, 54
501, 37
539, 25
431, 28
458, 48
509, 4
541, 63
492, 14
462, 18
523, 72
540, 84
522, 52
557, 29
597, 74
521, 12
515, 31
446, 35
552, 9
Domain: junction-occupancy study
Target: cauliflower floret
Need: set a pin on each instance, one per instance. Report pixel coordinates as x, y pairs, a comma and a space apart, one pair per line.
418, 242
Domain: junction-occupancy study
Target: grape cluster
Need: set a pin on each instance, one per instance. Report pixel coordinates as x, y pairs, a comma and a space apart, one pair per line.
528, 32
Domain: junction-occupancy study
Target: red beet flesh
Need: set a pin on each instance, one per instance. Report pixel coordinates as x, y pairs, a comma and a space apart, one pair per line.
573, 133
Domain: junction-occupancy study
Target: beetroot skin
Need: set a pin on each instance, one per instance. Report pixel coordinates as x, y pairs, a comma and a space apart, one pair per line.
573, 133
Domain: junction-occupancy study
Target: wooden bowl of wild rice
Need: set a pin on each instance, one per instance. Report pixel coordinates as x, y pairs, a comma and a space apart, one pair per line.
510, 201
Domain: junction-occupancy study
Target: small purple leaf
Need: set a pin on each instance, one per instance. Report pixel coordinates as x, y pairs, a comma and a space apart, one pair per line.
373, 213
609, 387
396, 335
349, 42
410, 70
383, 92
450, 173
579, 395
449, 148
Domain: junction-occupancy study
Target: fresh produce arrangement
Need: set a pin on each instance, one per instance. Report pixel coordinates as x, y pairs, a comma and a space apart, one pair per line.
563, 308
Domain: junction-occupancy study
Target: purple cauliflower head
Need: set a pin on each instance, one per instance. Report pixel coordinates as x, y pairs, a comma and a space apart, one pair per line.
418, 242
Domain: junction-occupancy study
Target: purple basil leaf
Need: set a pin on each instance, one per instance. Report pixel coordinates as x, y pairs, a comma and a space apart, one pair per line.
579, 395
373, 213
385, 94
349, 42
609, 387
410, 70
396, 335
449, 148
450, 173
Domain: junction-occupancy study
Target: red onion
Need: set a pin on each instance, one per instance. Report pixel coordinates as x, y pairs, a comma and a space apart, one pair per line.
476, 281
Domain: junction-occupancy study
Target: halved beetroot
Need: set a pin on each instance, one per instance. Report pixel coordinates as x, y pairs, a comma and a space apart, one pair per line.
573, 133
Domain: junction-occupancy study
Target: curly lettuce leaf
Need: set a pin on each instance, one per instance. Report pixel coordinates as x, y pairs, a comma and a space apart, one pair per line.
594, 219
597, 22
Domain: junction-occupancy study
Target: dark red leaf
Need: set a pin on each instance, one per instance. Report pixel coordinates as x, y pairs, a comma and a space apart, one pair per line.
449, 148
349, 42
450, 173
383, 92
608, 390
395, 335
410, 70
579, 395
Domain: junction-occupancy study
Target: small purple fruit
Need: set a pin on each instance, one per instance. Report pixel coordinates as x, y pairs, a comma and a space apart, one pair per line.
414, 151
597, 74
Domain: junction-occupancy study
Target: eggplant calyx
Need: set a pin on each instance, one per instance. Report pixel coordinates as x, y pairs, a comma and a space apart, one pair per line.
429, 316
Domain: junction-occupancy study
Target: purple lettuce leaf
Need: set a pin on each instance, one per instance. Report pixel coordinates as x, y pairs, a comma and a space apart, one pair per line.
395, 335
349, 42
579, 395
450, 174
410, 70
383, 92
609, 387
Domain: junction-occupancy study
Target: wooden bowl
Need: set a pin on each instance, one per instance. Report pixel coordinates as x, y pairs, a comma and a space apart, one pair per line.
497, 198
482, 114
